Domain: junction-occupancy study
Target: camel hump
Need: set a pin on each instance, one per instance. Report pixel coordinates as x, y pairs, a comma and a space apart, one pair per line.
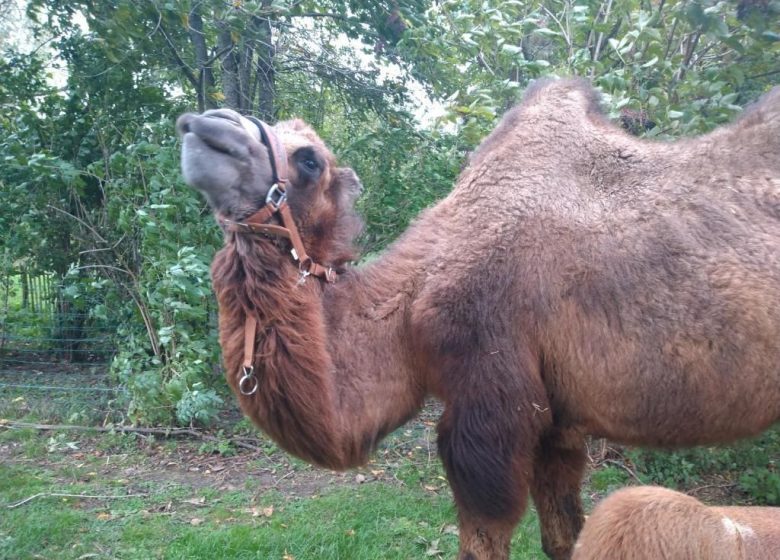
552, 111
765, 111
550, 96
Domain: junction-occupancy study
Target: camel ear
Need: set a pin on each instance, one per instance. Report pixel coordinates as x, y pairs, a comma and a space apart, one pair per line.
348, 185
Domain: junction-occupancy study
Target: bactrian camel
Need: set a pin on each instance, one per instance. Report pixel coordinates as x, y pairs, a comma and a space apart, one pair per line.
651, 523
577, 280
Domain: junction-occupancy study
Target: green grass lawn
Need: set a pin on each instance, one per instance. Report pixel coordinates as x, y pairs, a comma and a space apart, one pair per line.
148, 497
373, 520
187, 498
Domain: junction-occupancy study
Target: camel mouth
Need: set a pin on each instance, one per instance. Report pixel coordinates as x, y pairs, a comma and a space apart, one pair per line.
201, 143
216, 133
223, 159
206, 147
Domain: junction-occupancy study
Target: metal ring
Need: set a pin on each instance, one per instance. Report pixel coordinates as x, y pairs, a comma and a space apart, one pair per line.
248, 383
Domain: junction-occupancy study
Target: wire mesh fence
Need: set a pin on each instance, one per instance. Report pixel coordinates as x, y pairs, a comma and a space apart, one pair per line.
52, 346
41, 340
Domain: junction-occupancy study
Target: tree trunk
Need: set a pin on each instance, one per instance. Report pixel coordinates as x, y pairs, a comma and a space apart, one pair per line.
265, 67
244, 73
205, 75
231, 86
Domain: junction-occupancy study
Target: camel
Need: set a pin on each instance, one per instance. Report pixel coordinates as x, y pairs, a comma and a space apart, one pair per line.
576, 280
652, 523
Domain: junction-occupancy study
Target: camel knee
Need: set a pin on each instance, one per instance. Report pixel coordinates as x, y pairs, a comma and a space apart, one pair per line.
484, 539
486, 526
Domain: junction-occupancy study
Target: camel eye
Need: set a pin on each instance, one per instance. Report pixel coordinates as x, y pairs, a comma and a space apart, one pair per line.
308, 163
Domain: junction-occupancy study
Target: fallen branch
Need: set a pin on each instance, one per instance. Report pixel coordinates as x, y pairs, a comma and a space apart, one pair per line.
693, 491
82, 496
625, 468
127, 429
165, 432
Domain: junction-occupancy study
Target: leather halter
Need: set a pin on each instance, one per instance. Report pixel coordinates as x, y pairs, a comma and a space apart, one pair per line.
276, 203
258, 223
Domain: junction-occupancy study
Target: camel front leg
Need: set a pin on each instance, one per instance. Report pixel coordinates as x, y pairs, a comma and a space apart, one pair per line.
489, 472
558, 467
482, 538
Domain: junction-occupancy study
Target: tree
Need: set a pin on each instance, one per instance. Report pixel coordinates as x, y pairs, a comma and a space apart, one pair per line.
686, 65
90, 181
104, 163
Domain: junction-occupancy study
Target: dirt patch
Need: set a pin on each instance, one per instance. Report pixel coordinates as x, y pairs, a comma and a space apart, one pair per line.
138, 462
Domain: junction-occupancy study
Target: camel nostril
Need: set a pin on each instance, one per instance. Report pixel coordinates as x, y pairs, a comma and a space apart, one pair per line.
183, 123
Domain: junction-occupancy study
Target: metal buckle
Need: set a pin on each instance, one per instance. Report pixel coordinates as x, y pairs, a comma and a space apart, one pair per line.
248, 383
304, 268
276, 196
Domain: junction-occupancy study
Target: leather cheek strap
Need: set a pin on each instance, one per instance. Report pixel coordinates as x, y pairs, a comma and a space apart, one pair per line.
258, 223
276, 152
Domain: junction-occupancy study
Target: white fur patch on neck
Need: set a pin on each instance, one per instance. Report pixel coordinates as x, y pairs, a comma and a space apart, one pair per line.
733, 528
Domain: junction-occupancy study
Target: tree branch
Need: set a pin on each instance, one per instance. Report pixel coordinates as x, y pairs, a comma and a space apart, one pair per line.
83, 496
183, 66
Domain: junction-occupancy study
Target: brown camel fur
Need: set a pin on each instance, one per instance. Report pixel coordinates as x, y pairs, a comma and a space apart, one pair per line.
652, 523
577, 280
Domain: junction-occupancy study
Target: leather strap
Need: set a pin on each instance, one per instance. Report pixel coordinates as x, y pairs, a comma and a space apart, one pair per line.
250, 330
288, 230
248, 382
257, 223
276, 152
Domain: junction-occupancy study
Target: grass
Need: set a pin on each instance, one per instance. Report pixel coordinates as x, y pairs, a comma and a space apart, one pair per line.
190, 499
173, 520
215, 501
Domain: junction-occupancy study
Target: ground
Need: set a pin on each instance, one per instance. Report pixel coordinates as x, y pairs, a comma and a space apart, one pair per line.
229, 492
226, 492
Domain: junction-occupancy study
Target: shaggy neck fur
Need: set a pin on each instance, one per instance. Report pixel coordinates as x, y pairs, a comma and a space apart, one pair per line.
319, 396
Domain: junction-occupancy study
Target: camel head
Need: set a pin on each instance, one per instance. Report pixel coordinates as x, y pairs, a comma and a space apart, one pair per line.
224, 158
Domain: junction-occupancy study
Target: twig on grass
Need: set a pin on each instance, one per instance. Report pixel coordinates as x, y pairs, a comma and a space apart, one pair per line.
166, 432
82, 496
693, 491
278, 480
625, 468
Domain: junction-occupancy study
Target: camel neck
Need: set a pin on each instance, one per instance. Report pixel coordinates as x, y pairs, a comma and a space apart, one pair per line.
333, 376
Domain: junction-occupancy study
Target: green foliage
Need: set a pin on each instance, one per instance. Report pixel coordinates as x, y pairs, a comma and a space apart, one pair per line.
683, 65
90, 177
220, 445
760, 477
753, 464
403, 171
762, 484
608, 478
677, 468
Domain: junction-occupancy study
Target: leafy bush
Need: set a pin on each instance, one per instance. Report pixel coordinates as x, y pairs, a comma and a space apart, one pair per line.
752, 464
169, 353
607, 479
762, 484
